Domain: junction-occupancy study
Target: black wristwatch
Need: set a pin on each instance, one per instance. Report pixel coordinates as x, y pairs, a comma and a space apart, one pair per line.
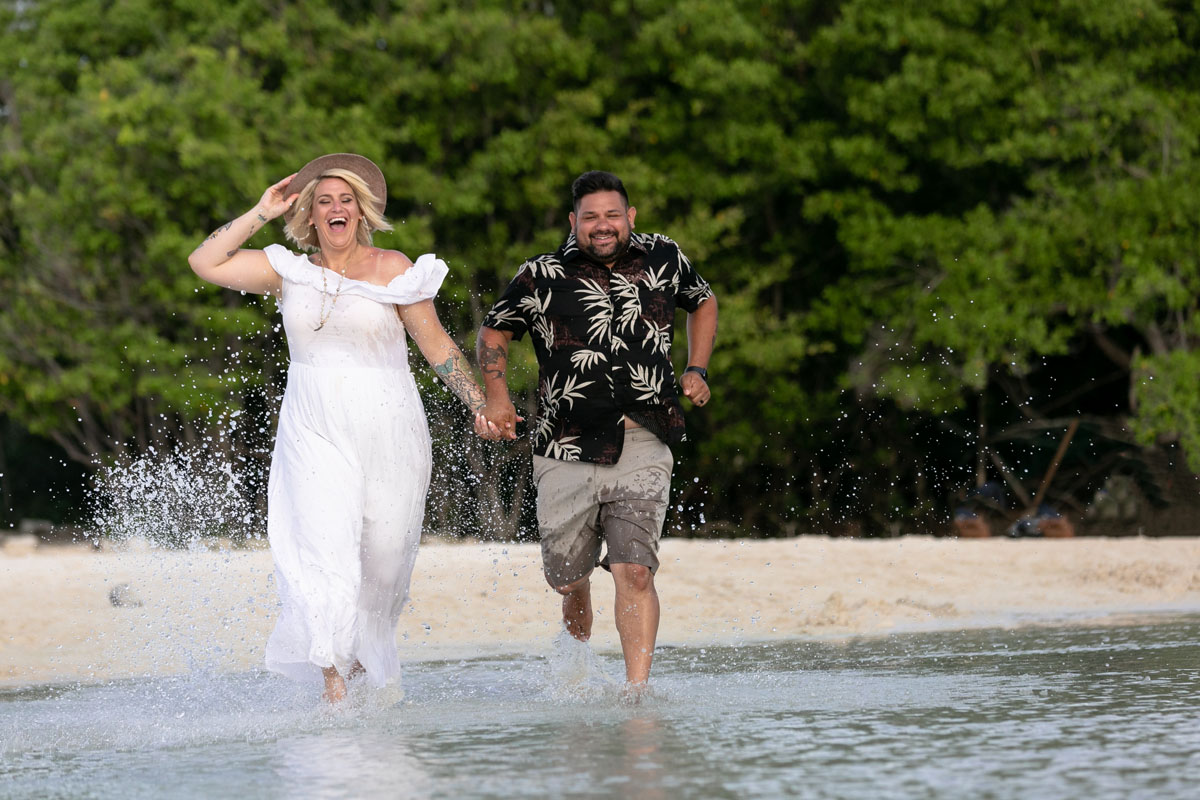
701, 370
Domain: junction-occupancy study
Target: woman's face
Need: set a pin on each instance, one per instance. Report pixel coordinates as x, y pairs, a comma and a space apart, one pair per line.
335, 212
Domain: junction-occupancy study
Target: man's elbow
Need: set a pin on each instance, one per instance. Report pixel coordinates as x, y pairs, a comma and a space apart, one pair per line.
483, 338
491, 336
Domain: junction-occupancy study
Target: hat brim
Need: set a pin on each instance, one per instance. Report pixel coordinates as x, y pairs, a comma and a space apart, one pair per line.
361, 166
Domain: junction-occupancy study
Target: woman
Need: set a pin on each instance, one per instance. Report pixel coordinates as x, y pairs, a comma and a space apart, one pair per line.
351, 463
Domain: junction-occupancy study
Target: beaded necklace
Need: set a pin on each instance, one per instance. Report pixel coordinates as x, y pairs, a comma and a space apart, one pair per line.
323, 317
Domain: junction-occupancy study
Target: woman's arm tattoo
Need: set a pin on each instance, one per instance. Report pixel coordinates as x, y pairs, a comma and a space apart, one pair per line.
215, 234
454, 372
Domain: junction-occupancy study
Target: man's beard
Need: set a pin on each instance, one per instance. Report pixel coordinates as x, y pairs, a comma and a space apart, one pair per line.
618, 251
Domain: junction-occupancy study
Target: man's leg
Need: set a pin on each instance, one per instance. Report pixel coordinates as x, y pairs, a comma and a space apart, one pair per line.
577, 608
636, 617
633, 495
567, 520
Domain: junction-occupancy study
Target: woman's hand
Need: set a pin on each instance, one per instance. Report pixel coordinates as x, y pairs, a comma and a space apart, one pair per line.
485, 429
273, 202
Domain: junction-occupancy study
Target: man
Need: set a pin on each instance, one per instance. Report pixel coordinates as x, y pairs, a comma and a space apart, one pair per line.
601, 311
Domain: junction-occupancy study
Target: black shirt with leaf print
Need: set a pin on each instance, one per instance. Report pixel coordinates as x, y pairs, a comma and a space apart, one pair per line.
603, 343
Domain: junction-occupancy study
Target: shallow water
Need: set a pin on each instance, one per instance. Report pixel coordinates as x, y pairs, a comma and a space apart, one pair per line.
1095, 712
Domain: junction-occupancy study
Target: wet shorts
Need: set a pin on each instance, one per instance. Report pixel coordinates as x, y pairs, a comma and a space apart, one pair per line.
581, 505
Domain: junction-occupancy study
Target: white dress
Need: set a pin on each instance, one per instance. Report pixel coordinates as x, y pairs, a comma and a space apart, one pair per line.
350, 470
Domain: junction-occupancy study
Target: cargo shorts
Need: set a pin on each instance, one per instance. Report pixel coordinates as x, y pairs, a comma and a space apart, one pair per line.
581, 506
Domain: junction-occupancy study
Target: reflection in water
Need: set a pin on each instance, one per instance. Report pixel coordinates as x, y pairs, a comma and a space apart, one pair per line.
348, 763
642, 768
1071, 712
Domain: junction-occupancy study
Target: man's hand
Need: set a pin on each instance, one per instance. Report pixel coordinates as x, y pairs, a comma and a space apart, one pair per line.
695, 388
501, 417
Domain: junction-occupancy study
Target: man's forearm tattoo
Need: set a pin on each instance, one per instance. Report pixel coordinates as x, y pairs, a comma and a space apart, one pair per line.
493, 361
453, 372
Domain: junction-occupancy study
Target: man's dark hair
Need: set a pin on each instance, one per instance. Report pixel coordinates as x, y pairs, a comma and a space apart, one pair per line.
597, 181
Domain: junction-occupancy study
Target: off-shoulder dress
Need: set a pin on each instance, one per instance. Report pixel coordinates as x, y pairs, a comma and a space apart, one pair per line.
350, 469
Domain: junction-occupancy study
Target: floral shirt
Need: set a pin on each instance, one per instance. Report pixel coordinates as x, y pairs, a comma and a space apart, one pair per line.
603, 343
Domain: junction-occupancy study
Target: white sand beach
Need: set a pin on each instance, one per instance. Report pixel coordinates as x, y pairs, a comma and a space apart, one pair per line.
213, 609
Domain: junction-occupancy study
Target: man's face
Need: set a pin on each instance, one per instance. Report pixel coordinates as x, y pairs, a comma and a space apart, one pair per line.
602, 226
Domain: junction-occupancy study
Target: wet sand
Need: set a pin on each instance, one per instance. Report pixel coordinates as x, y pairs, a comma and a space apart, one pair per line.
70, 613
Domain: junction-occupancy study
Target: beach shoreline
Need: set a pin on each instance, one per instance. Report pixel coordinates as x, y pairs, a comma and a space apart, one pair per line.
72, 613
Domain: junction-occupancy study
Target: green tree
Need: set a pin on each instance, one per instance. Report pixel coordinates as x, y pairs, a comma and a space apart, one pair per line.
924, 221
1008, 185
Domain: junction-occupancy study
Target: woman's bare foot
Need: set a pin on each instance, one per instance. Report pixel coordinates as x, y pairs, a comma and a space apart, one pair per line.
335, 686
356, 669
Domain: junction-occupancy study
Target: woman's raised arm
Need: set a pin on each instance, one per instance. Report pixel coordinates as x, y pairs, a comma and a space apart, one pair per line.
219, 260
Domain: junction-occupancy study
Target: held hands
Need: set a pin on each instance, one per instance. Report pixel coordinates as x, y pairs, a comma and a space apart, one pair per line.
695, 388
274, 202
485, 429
497, 420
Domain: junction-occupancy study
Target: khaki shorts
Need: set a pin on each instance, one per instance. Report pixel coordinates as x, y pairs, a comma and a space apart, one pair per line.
581, 505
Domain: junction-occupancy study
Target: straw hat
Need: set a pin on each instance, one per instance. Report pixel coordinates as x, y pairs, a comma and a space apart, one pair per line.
362, 167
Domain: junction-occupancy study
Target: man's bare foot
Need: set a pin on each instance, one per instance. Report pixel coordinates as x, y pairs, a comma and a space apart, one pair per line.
633, 694
577, 609
335, 686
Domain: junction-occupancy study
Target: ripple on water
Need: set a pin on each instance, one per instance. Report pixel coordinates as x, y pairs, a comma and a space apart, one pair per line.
1101, 712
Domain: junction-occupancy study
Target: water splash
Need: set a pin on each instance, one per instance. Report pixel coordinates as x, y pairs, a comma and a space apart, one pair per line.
179, 499
574, 673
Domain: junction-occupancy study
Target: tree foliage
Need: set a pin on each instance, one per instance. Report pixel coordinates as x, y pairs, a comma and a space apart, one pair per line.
925, 221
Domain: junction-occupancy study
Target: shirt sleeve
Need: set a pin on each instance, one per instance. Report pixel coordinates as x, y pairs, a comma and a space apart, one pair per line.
692, 290
510, 312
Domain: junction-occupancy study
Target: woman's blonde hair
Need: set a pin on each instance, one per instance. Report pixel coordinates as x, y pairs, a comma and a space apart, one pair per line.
305, 235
